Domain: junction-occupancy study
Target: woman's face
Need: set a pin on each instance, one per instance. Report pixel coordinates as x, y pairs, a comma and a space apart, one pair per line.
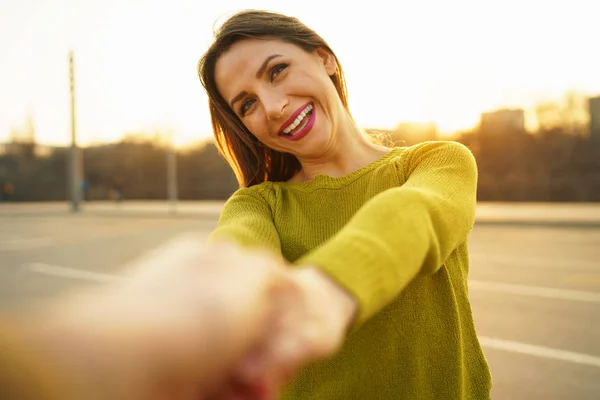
282, 94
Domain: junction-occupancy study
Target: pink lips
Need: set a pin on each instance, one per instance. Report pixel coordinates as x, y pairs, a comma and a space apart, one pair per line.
309, 124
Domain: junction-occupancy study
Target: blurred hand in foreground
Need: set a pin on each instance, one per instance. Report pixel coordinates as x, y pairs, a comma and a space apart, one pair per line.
190, 321
173, 328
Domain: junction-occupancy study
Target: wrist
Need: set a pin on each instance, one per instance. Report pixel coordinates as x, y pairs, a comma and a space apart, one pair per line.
340, 300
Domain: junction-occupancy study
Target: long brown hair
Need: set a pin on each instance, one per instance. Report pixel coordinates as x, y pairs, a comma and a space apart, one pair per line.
252, 162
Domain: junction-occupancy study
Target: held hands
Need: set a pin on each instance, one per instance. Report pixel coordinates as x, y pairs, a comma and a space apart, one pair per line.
195, 322
272, 319
309, 324
172, 329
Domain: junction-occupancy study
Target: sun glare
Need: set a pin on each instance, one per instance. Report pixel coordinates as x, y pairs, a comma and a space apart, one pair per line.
136, 61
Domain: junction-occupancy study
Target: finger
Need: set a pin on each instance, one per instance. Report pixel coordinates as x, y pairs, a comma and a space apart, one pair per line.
267, 370
235, 390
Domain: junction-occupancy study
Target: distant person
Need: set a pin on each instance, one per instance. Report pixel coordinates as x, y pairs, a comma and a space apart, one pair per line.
117, 189
379, 233
8, 191
85, 188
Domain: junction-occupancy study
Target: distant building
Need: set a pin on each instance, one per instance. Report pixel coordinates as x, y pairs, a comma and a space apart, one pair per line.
19, 149
502, 121
594, 108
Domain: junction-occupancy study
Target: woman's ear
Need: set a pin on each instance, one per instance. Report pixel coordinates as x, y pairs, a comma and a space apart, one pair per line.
328, 59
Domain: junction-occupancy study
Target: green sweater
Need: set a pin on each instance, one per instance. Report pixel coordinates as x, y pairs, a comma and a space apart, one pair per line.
394, 234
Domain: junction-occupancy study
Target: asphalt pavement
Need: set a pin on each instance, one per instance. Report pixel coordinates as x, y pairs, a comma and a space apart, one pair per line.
534, 281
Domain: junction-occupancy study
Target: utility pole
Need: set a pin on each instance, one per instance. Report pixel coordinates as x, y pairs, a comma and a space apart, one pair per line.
75, 174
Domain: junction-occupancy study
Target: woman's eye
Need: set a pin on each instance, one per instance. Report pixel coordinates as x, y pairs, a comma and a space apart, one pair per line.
276, 70
246, 104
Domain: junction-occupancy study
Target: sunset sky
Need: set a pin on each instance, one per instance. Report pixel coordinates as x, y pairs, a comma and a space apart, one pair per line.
442, 61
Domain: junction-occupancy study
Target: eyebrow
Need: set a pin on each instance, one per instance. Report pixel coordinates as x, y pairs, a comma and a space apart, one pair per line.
259, 73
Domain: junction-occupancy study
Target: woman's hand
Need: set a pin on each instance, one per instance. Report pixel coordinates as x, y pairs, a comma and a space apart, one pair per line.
313, 317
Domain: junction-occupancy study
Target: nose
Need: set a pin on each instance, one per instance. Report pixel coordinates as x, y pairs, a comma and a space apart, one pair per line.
274, 104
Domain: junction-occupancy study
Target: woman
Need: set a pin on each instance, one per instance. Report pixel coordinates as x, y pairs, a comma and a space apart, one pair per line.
378, 236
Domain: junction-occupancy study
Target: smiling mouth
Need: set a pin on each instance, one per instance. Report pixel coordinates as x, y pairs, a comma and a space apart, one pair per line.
299, 123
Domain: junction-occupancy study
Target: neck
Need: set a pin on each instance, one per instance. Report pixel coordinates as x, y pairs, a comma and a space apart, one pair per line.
350, 150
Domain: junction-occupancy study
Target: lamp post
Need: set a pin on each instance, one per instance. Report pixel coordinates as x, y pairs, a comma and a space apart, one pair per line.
75, 173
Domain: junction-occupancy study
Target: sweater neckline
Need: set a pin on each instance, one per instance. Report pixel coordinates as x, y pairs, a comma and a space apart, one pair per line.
323, 180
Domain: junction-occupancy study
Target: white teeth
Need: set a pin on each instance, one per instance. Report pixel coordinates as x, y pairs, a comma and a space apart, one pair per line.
298, 120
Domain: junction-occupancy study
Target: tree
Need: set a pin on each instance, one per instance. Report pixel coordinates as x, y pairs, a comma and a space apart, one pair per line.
23, 138
570, 116
574, 113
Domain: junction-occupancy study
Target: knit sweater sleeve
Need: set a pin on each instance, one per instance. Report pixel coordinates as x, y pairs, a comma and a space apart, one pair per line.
404, 231
247, 219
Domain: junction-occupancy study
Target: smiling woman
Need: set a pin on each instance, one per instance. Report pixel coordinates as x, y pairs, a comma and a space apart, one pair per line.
272, 61
376, 238
291, 86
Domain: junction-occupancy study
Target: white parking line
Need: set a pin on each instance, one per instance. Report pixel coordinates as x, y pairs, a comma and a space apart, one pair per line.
537, 291
72, 273
486, 342
530, 261
24, 243
539, 351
